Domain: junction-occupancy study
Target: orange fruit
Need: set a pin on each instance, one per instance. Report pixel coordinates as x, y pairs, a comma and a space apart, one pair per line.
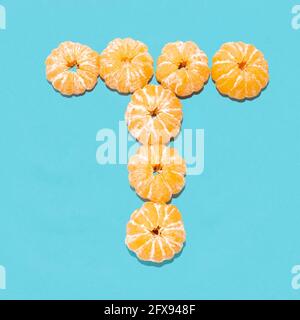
126, 65
72, 55
154, 115
156, 172
240, 71
183, 68
155, 232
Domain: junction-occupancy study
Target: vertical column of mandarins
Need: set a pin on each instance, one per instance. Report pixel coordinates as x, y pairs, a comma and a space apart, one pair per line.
156, 172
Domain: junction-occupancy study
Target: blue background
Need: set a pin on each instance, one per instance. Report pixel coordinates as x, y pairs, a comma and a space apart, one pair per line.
63, 216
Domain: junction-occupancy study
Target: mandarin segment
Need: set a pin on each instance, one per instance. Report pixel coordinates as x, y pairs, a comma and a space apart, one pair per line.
155, 232
240, 71
156, 173
182, 68
154, 115
126, 65
72, 55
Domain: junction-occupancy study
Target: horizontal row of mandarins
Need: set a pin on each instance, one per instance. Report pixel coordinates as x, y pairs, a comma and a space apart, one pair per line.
239, 70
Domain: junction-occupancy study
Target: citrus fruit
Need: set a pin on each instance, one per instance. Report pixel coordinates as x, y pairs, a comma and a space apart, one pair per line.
154, 115
155, 232
240, 70
183, 68
68, 56
157, 172
126, 65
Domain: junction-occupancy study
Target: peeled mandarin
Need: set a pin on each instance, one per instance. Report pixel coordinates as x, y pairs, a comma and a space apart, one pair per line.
70, 55
155, 232
157, 172
240, 71
126, 65
182, 68
154, 115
